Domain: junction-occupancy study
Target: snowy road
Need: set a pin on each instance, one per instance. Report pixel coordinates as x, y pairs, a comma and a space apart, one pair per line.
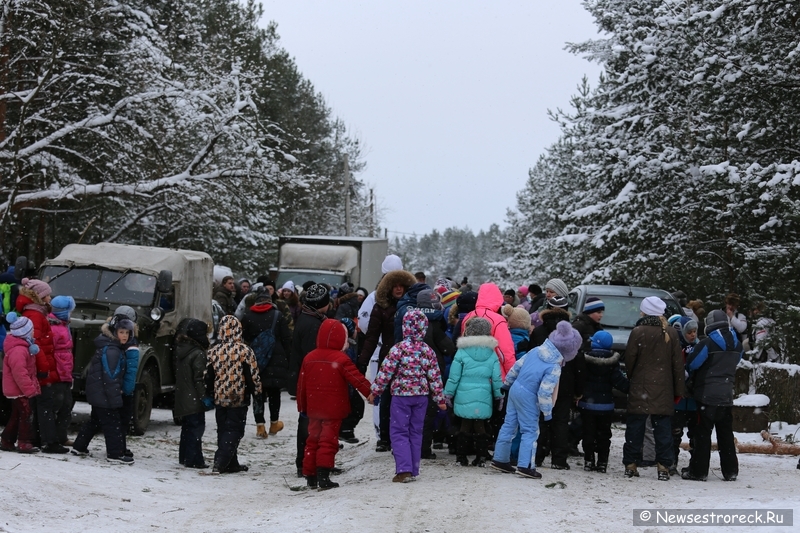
67, 493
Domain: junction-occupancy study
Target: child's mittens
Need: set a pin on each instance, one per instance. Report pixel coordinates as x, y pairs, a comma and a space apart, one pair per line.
501, 401
448, 401
548, 418
208, 403
33, 349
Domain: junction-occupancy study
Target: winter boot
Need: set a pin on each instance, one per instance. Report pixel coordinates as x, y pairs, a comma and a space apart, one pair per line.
505, 468
663, 472
589, 466
464, 445
687, 474
54, 447
403, 477
383, 446
462, 460
311, 482
601, 467
631, 470
528, 472
481, 449
261, 431
559, 466
324, 479
275, 427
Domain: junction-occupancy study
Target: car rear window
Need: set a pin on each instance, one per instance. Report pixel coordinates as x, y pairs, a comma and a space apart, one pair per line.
623, 311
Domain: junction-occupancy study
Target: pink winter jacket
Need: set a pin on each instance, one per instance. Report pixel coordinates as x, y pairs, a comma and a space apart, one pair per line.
62, 343
19, 369
490, 300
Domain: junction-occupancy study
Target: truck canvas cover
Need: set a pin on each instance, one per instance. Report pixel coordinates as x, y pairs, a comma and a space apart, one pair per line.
318, 257
189, 269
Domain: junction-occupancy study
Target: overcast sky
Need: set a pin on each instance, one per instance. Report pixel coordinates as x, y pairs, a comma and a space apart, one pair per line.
449, 98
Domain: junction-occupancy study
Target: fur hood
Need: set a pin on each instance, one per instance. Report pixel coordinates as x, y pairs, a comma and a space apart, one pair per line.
346, 297
602, 357
555, 314
483, 341
383, 294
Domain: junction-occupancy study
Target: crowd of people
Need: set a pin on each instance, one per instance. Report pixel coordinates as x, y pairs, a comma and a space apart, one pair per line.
504, 377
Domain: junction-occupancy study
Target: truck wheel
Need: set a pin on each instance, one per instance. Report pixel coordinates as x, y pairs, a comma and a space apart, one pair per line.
143, 402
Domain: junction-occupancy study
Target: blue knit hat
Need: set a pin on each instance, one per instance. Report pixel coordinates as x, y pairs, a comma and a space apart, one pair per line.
602, 340
593, 305
63, 306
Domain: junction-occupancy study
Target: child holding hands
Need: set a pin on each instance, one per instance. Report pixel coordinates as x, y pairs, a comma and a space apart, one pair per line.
413, 372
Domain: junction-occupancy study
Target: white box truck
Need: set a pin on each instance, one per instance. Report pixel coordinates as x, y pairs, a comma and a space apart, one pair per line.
331, 260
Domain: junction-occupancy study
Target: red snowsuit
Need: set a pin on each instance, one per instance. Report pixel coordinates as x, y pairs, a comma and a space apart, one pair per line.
322, 394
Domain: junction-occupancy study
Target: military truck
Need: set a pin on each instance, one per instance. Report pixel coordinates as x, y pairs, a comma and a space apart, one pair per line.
331, 260
163, 285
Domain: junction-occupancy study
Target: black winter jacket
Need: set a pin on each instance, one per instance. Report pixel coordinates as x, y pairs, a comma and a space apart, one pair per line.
259, 318
304, 339
586, 327
106, 374
190, 370
712, 366
603, 374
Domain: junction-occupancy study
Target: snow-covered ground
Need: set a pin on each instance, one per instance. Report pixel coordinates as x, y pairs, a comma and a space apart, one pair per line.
67, 493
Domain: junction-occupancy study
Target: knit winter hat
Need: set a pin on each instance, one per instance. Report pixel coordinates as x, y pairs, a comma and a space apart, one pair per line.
510, 292
21, 326
122, 324
557, 301
288, 285
392, 262
126, 311
306, 285
449, 298
593, 305
197, 330
477, 326
429, 299
602, 340
62, 306
362, 291
38, 286
653, 306
523, 290
263, 297
442, 285
567, 340
349, 324
520, 319
716, 319
558, 287
346, 288
317, 296
466, 302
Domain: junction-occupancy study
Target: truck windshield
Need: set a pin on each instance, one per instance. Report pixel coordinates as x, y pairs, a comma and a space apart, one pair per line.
88, 284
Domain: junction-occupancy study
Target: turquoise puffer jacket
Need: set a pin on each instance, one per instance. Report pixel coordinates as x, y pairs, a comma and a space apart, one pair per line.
474, 381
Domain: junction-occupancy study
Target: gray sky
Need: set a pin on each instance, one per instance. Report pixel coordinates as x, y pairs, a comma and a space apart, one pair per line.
449, 98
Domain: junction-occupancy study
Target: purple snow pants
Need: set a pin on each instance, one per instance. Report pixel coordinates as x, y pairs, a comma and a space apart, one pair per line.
405, 430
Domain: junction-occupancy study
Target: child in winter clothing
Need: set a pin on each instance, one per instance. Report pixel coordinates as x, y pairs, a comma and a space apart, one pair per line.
323, 396
597, 404
473, 386
411, 369
191, 402
519, 324
532, 385
232, 378
686, 408
104, 390
19, 384
62, 307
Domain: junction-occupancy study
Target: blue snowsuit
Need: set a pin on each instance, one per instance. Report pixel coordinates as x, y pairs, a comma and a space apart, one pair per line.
532, 384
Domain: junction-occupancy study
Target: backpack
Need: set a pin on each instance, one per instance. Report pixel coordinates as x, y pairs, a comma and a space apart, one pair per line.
264, 344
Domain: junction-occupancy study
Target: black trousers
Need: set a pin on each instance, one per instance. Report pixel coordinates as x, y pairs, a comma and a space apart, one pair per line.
302, 436
230, 430
273, 396
356, 414
554, 434
385, 411
712, 417
596, 434
190, 449
427, 428
110, 422
680, 420
634, 438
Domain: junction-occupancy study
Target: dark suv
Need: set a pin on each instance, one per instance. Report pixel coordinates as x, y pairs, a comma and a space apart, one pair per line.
622, 307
